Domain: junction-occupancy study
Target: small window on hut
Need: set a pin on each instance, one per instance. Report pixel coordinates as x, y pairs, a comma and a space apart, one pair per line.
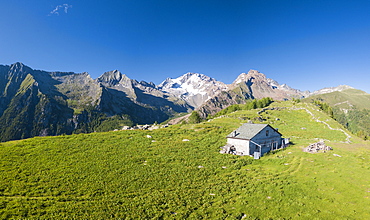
267, 132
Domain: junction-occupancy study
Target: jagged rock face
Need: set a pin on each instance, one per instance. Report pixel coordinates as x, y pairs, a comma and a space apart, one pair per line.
254, 85
29, 107
149, 94
237, 95
13, 77
261, 86
112, 78
118, 81
78, 87
193, 88
147, 100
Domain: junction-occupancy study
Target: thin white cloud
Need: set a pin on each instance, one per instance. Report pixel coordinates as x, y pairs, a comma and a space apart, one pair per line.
58, 8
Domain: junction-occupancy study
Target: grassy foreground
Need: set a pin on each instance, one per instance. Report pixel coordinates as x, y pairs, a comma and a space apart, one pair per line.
126, 175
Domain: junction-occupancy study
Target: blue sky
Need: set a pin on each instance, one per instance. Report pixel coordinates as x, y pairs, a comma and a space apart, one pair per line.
305, 44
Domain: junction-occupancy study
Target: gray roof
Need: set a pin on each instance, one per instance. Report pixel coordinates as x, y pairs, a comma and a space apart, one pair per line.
247, 131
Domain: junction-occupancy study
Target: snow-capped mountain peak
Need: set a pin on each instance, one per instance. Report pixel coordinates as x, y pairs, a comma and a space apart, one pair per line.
331, 89
194, 88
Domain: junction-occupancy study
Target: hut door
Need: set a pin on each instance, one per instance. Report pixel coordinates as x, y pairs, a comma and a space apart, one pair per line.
257, 152
257, 149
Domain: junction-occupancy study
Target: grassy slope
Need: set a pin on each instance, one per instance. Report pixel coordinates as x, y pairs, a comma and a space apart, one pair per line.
126, 175
342, 99
358, 104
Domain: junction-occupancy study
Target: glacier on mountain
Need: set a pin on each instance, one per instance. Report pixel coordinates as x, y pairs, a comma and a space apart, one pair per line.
194, 88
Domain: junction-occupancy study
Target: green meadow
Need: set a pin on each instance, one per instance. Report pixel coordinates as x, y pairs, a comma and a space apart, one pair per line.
178, 173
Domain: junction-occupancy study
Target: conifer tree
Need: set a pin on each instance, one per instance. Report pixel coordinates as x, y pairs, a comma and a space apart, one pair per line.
194, 118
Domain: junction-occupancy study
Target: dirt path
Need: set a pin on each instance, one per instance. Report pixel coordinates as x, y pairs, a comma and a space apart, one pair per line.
315, 118
323, 122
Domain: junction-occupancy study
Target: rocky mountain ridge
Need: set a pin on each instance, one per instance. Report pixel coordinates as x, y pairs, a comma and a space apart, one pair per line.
261, 86
36, 102
251, 85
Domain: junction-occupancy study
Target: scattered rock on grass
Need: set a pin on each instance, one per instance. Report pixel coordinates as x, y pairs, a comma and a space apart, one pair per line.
316, 147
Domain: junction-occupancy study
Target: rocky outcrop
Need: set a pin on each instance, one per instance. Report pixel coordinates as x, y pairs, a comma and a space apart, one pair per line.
317, 147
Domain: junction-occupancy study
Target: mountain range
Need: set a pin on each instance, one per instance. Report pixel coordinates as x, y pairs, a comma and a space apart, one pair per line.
39, 103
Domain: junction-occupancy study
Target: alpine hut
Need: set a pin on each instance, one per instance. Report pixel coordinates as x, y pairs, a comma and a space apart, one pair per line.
254, 139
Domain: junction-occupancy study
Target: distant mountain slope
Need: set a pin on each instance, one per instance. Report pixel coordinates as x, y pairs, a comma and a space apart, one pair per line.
331, 89
344, 97
34, 102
